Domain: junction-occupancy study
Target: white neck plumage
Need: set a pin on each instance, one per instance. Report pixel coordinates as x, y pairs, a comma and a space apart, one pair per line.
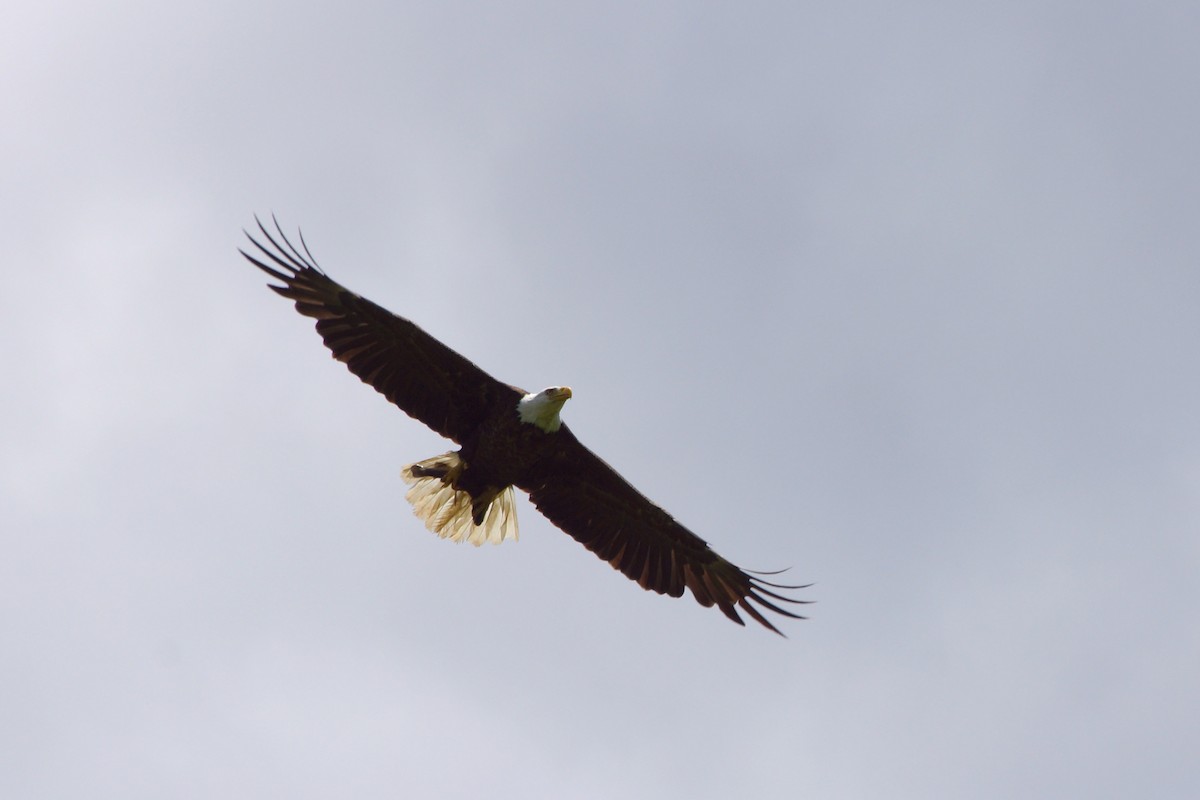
542, 408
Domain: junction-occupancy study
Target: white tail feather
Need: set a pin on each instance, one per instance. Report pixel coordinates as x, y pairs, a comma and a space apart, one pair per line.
447, 511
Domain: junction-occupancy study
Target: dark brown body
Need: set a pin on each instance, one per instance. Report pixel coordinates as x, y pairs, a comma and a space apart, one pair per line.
503, 453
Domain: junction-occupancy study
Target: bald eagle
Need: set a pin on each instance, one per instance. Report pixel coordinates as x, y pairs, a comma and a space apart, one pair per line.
508, 437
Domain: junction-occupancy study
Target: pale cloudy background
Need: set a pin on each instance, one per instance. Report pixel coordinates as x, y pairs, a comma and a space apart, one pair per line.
905, 296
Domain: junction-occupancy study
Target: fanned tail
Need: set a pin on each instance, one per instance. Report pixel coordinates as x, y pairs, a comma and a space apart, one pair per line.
449, 512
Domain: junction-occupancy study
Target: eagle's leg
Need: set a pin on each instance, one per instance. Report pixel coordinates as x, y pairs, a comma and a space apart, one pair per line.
434, 468
452, 513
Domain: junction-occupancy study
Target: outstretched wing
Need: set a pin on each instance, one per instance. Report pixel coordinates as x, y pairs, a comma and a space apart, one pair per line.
422, 376
588, 499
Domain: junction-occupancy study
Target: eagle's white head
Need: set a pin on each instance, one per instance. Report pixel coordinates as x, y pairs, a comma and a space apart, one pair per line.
541, 408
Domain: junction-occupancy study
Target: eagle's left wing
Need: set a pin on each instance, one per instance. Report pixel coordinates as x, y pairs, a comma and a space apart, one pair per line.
426, 379
589, 500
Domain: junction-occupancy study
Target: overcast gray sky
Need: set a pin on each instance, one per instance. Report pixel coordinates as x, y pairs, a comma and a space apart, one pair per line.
903, 296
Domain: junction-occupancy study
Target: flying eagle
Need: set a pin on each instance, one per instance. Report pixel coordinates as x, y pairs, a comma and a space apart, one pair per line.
508, 437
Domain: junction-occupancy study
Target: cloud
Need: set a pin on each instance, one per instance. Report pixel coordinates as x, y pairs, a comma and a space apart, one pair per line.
918, 288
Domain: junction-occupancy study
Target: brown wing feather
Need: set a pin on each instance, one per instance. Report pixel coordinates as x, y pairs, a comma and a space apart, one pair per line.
422, 376
589, 500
